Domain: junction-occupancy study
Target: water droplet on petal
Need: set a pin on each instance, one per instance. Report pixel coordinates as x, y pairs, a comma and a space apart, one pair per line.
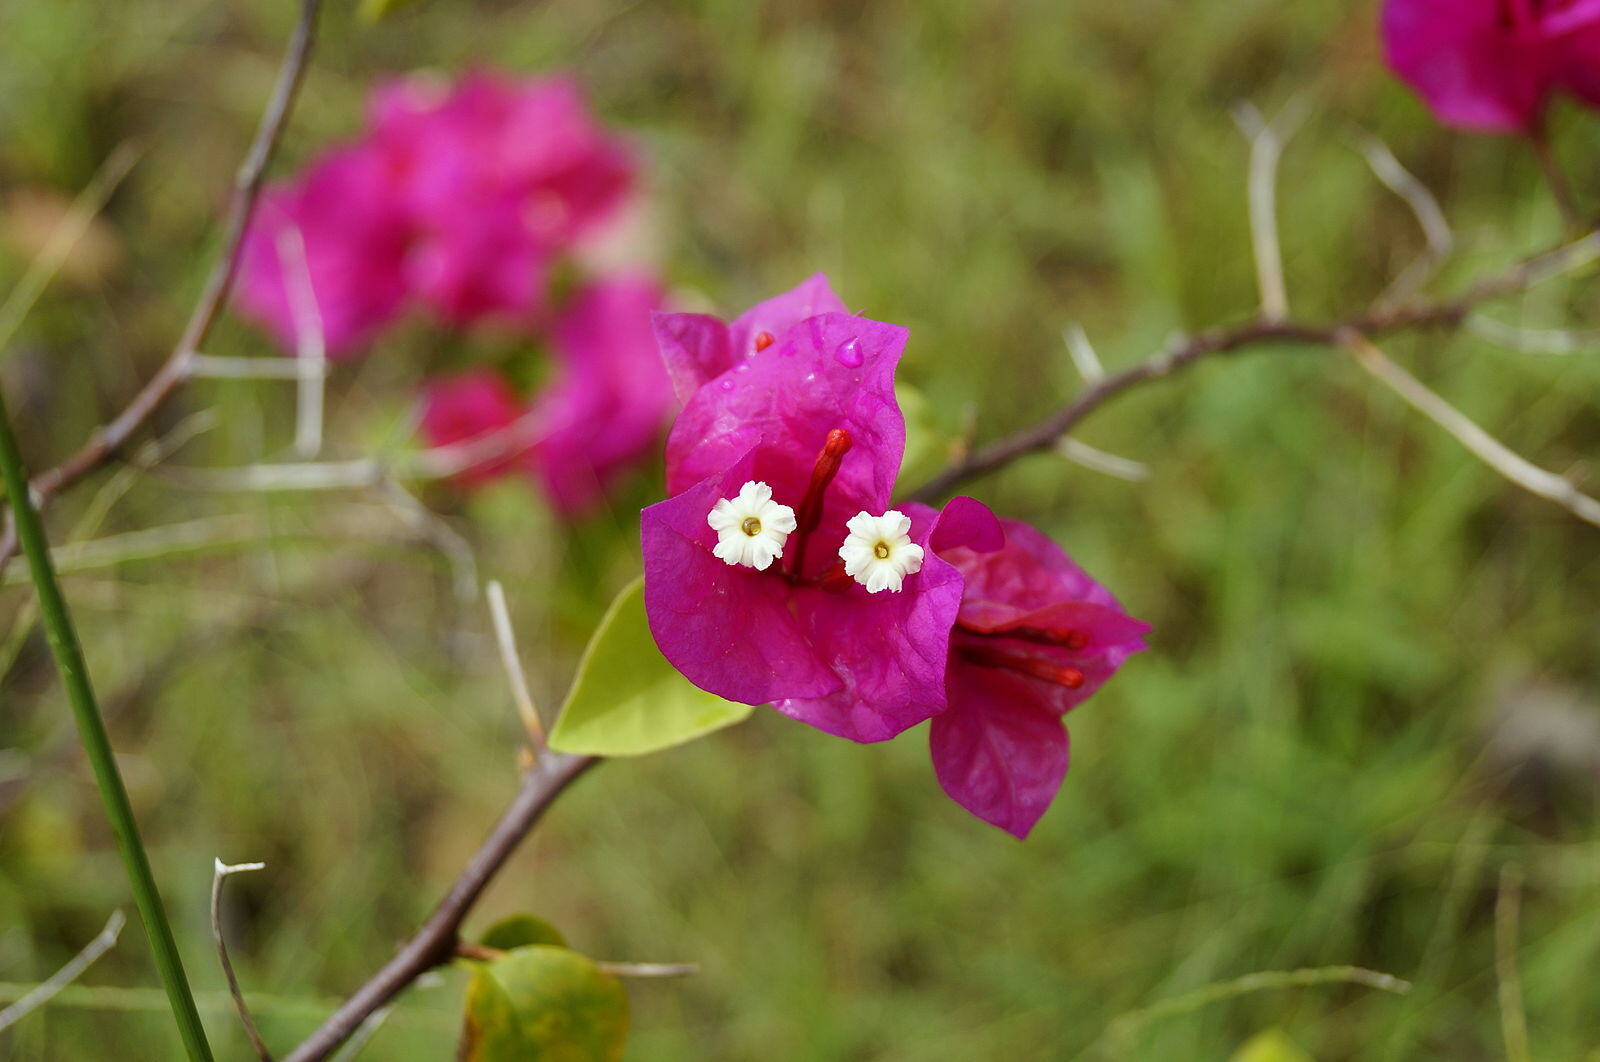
849, 354
725, 384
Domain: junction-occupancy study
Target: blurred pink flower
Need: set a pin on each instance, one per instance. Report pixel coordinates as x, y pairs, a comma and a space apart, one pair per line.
458, 196
1492, 65
470, 406
499, 176
604, 410
1035, 637
602, 413
332, 242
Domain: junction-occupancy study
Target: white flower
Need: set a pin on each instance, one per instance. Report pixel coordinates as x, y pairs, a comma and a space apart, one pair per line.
751, 528
879, 553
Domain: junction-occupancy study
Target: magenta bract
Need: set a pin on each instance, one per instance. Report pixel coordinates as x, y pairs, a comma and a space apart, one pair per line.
765, 397
604, 410
458, 198
1492, 65
1035, 637
600, 415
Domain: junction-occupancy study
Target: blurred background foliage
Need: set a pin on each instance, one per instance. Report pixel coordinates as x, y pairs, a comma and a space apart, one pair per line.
1373, 681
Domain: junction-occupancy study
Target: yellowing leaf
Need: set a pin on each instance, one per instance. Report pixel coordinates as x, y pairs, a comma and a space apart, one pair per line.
543, 1004
1270, 1046
373, 10
627, 700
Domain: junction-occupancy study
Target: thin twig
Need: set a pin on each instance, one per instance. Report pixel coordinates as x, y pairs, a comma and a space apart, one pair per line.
1267, 140
311, 348
107, 442
1443, 314
645, 970
435, 463
435, 530
1435, 228
222, 872
506, 638
1478, 442
42, 994
1507, 912
211, 366
1083, 355
1097, 460
1534, 340
435, 943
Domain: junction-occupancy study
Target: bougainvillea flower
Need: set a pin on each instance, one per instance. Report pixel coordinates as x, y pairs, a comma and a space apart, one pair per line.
805, 407
471, 406
499, 176
1492, 65
1035, 637
327, 251
604, 411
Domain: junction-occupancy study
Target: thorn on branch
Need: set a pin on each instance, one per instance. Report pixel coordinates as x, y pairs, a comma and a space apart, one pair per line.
1267, 141
1464, 430
221, 872
1429, 215
506, 638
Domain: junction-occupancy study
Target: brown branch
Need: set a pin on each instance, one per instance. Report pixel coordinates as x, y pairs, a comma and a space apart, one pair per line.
108, 441
1446, 314
436, 942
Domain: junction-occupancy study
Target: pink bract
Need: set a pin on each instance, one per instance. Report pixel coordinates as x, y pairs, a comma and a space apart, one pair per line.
604, 411
1035, 637
499, 176
1492, 65
471, 406
332, 242
799, 634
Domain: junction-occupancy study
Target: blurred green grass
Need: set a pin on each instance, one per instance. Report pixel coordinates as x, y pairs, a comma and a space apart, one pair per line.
1366, 645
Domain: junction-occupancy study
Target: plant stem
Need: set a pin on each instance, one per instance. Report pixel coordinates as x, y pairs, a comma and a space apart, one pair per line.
91, 730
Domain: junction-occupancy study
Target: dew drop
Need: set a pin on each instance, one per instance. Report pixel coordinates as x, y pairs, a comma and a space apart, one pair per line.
849, 354
725, 384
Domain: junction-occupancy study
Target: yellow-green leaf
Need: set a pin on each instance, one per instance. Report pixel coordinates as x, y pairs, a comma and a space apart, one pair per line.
1270, 1046
626, 699
543, 1004
373, 10
519, 931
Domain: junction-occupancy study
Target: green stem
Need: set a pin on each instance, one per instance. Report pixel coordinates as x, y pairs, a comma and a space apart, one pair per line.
92, 731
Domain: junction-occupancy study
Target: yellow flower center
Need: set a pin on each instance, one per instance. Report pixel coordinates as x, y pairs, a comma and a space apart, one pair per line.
750, 526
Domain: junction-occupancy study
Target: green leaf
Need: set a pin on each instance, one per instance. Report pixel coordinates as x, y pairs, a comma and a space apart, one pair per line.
374, 10
519, 931
1270, 1046
543, 1004
627, 700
